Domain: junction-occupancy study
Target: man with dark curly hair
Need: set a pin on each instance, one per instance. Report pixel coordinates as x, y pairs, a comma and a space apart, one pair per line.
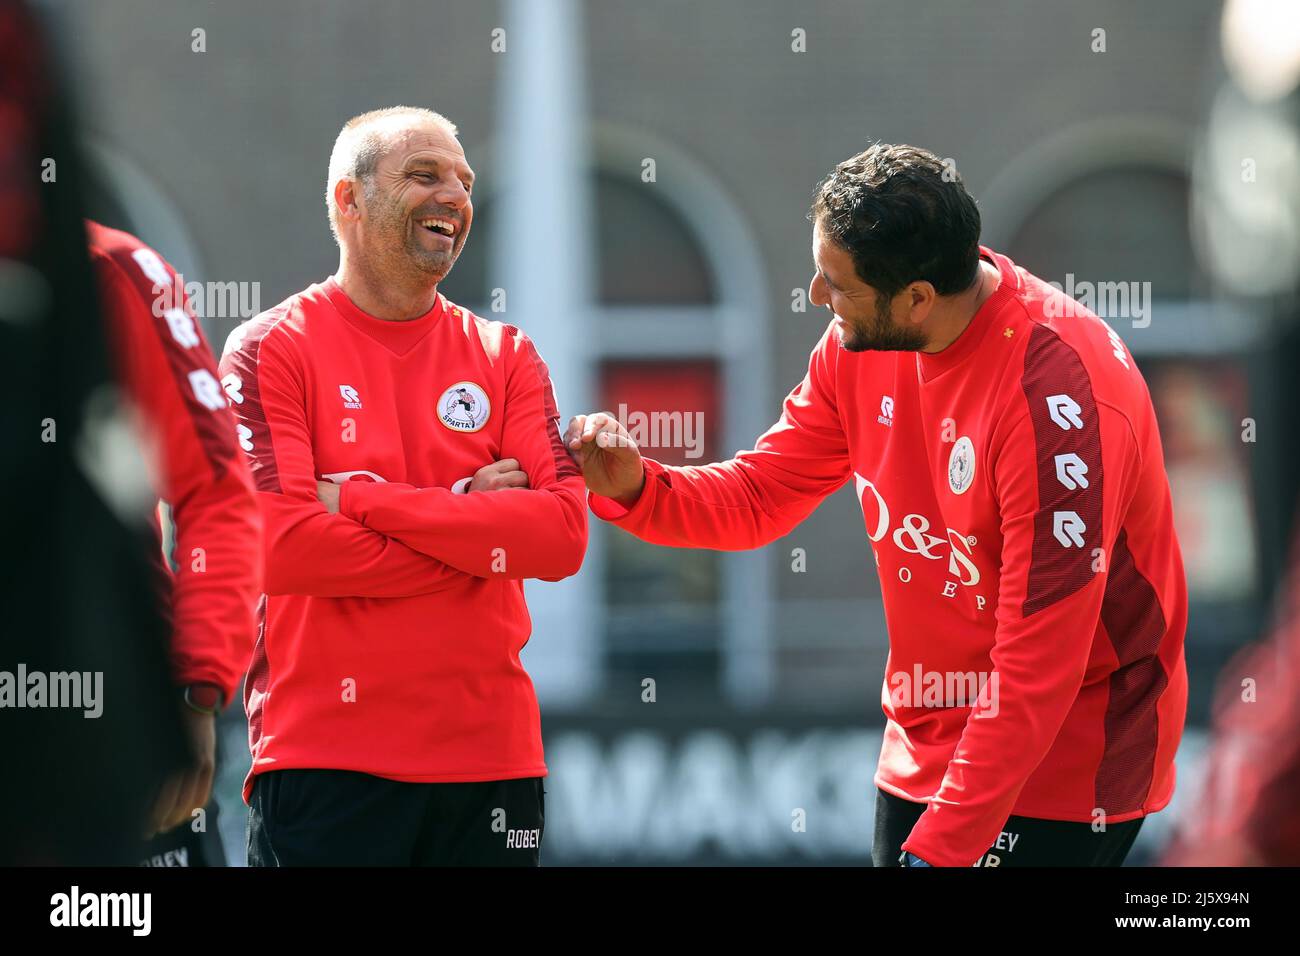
1007, 460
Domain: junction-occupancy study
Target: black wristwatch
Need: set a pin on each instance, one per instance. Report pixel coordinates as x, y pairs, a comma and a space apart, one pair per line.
204, 698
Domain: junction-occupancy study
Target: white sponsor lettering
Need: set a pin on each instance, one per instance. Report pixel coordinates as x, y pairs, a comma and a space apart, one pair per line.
913, 537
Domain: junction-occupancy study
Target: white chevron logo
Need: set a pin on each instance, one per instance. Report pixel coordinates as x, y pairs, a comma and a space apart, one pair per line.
234, 386
1068, 528
1064, 411
1071, 471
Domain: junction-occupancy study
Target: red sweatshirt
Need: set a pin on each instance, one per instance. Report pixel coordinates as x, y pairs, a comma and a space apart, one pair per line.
170, 375
1014, 493
392, 630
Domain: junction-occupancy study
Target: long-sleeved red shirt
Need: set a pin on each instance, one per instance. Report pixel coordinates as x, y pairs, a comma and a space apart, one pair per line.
1014, 493
170, 374
392, 630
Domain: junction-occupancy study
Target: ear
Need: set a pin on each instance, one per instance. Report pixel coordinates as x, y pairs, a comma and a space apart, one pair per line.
921, 298
346, 198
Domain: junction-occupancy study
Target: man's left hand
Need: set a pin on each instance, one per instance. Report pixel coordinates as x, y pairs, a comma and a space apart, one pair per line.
328, 493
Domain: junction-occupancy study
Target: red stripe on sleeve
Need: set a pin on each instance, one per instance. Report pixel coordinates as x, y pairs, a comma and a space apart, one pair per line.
137, 282
1067, 439
564, 465
1136, 625
240, 371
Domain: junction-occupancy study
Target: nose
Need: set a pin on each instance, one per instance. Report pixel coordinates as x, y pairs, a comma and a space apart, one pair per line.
817, 294
452, 193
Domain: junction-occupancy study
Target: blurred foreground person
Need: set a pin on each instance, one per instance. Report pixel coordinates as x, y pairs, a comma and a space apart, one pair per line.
1248, 812
409, 466
86, 713
1009, 467
170, 375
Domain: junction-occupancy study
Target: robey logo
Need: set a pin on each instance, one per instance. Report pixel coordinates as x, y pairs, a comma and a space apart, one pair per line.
886, 416
464, 407
913, 536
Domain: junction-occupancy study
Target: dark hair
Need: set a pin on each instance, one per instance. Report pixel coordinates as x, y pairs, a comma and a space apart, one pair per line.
903, 216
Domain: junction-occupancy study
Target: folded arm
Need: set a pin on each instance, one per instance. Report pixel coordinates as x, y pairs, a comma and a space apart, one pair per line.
308, 550
534, 532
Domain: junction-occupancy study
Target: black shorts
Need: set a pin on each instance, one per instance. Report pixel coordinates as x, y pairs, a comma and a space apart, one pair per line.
344, 818
1024, 841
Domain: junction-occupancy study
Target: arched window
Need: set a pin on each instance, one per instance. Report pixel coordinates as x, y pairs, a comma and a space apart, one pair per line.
673, 344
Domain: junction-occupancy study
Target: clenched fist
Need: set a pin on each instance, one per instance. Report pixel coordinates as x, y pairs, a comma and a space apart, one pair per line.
610, 461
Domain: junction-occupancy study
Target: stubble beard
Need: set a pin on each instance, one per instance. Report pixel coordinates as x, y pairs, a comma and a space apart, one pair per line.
882, 335
401, 250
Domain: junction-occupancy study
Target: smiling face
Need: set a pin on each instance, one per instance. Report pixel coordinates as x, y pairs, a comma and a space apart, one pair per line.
866, 319
415, 209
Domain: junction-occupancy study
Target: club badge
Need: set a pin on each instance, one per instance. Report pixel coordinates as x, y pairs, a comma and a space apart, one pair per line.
464, 407
961, 466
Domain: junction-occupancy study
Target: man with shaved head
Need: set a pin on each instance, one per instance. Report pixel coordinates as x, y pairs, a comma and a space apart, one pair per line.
411, 474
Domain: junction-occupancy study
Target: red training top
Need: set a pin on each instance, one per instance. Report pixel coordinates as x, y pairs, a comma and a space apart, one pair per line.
391, 631
170, 375
1014, 493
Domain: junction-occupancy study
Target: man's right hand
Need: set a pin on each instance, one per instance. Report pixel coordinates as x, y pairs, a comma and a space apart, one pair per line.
610, 461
